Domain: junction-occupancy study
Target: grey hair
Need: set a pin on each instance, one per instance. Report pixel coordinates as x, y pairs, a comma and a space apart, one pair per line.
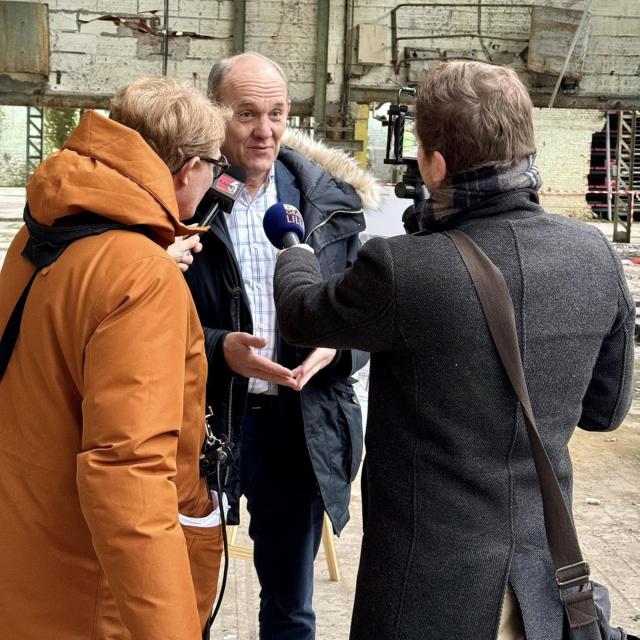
220, 70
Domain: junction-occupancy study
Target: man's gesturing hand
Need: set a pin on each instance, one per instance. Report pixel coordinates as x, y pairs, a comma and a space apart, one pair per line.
318, 359
239, 354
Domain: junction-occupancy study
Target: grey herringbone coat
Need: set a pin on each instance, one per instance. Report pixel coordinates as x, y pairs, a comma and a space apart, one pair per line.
452, 504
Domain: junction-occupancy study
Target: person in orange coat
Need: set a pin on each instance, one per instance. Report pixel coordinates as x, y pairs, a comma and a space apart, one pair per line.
106, 528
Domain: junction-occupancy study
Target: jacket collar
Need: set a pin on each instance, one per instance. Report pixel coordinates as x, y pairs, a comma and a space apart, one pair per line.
334, 162
288, 192
519, 203
299, 189
319, 194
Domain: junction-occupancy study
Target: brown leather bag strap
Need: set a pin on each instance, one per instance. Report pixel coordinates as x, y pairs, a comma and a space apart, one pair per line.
571, 569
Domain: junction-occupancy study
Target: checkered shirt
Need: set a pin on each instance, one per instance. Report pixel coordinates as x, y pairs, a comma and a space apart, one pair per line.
257, 260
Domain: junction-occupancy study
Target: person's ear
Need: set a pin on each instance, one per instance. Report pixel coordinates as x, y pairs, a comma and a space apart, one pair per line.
433, 168
438, 169
181, 179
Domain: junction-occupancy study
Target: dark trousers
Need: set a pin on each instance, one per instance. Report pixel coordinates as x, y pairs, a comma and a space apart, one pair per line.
286, 520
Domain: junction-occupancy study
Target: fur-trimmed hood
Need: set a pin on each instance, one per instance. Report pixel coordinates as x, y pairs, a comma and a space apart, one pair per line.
338, 164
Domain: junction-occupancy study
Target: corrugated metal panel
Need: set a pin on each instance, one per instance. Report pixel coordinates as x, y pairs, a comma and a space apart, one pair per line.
552, 31
24, 38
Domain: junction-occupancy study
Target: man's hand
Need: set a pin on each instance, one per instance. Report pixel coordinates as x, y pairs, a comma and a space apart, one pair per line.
318, 359
183, 248
239, 354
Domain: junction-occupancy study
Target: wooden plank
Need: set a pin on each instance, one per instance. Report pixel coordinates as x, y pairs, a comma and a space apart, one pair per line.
24, 38
330, 550
246, 553
552, 31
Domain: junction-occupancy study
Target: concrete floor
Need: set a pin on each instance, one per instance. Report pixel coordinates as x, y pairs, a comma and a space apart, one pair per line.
607, 517
606, 505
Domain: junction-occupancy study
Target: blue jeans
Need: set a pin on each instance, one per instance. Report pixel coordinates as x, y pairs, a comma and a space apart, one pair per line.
286, 520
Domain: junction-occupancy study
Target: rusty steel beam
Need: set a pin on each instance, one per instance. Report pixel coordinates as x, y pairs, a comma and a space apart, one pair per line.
586, 101
56, 100
368, 94
239, 25
360, 94
59, 100
323, 12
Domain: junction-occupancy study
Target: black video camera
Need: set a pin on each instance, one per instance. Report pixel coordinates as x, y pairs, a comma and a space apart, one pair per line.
402, 149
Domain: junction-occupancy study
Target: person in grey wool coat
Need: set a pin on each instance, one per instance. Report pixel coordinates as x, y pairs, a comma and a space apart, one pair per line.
454, 542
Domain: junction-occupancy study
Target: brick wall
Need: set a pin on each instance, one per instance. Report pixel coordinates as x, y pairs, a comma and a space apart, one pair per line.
563, 139
91, 55
611, 63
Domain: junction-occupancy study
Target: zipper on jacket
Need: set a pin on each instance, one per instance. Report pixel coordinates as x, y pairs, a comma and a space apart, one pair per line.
236, 293
351, 212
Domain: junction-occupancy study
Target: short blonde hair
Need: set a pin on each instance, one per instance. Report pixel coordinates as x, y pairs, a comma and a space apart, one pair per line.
475, 114
174, 118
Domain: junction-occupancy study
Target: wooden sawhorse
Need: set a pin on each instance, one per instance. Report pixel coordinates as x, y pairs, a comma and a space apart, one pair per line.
246, 553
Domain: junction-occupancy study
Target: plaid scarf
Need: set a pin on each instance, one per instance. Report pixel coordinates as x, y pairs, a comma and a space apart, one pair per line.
470, 189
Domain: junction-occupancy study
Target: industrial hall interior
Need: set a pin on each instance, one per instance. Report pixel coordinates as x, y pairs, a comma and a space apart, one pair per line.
314, 437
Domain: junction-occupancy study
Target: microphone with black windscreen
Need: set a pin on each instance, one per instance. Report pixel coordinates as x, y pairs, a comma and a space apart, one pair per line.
283, 225
222, 194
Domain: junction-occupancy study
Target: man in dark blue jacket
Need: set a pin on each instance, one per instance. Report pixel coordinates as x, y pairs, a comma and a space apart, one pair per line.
292, 412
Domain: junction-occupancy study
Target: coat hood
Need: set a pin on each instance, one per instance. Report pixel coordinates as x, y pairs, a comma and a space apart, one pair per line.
338, 164
108, 169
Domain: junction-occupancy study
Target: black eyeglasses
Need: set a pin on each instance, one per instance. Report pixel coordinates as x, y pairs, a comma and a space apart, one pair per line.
220, 165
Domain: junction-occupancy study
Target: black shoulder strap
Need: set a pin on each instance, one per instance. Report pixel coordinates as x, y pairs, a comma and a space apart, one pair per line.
570, 568
44, 246
11, 331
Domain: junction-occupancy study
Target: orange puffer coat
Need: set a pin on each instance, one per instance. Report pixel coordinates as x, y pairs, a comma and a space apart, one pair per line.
102, 412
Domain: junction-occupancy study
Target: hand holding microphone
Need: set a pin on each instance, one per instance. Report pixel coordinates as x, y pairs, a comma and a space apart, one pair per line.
222, 194
284, 226
182, 250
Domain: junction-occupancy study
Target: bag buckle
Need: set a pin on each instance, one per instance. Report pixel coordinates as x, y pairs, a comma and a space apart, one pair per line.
573, 575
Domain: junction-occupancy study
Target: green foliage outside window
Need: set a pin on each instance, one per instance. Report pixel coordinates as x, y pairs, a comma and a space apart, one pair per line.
11, 172
58, 126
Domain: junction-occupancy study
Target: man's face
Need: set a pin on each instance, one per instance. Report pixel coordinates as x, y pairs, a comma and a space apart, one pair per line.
191, 183
258, 97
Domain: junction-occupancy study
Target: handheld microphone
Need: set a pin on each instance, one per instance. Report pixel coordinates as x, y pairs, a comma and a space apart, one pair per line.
222, 194
283, 225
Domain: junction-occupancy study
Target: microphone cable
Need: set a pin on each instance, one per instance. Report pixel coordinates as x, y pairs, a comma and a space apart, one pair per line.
225, 546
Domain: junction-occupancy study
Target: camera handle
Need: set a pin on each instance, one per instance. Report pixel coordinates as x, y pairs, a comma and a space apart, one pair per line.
411, 185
